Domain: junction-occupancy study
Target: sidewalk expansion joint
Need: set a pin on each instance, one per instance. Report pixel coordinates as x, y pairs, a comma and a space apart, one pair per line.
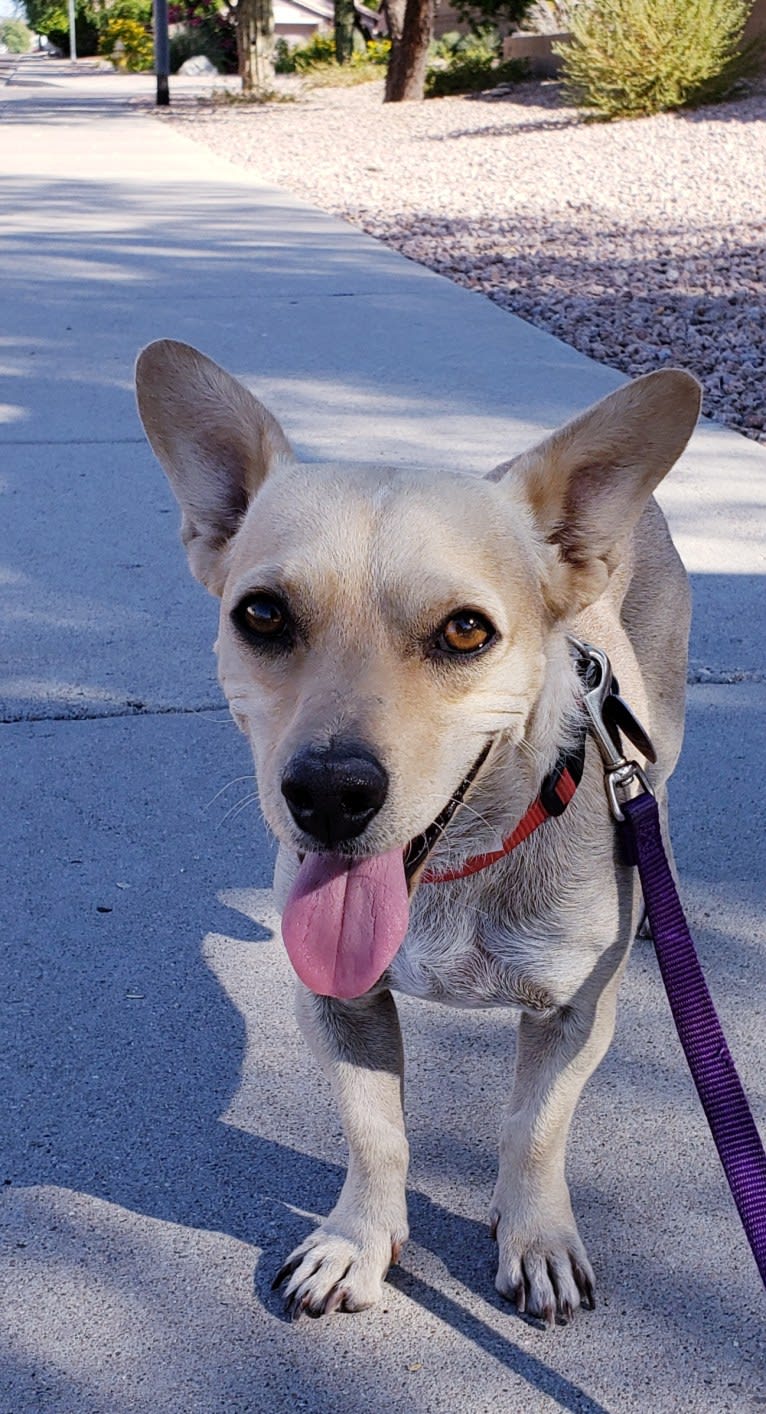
723, 677
73, 441
697, 677
128, 710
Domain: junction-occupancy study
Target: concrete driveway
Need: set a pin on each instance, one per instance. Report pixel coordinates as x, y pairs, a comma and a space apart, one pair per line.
165, 1138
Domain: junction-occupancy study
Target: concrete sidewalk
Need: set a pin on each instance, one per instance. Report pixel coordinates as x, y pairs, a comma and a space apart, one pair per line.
168, 1139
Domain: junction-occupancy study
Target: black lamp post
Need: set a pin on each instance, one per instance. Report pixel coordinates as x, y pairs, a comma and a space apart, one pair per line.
161, 52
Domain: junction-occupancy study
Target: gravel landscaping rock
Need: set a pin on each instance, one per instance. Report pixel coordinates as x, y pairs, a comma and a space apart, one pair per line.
640, 243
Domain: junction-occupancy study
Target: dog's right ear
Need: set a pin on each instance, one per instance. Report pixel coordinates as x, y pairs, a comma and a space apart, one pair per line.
216, 442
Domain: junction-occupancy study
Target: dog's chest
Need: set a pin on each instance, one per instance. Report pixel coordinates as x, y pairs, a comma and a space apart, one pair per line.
471, 960
472, 980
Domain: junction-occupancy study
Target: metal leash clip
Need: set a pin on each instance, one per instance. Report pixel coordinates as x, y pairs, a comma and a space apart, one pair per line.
608, 716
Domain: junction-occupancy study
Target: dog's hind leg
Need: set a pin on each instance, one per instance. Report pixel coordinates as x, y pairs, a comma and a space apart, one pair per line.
343, 1263
543, 1266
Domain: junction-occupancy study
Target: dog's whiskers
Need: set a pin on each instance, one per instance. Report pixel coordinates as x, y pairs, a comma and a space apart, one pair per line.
478, 816
249, 777
238, 807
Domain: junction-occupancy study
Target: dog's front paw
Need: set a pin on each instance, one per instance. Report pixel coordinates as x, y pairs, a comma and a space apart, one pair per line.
546, 1274
340, 1267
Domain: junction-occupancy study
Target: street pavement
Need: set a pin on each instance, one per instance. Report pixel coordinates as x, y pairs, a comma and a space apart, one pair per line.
166, 1138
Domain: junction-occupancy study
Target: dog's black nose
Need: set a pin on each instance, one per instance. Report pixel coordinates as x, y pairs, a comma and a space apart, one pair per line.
333, 793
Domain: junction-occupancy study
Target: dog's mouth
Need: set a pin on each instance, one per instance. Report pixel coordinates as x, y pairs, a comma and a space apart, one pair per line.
418, 850
347, 916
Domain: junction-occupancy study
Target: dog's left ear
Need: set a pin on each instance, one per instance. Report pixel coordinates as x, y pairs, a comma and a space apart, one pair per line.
216, 442
588, 483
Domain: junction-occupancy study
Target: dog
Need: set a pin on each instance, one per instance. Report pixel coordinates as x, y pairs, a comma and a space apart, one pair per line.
395, 644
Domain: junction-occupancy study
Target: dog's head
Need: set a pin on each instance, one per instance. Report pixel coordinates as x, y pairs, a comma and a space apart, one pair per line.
382, 629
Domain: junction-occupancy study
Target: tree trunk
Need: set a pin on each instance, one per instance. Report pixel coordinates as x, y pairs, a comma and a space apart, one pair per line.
255, 45
394, 12
344, 30
405, 80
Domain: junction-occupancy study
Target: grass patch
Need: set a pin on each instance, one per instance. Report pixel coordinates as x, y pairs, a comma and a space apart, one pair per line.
228, 98
341, 75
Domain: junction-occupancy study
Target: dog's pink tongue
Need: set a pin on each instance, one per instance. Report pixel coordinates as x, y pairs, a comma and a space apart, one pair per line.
345, 921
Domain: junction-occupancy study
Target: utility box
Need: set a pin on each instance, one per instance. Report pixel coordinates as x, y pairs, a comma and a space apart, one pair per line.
536, 50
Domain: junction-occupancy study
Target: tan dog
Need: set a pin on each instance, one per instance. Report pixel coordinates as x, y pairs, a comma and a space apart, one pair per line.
390, 642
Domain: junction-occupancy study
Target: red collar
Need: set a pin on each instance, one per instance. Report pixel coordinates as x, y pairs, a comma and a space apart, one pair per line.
556, 792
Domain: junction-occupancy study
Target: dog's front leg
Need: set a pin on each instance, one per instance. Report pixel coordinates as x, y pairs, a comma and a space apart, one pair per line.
342, 1264
543, 1266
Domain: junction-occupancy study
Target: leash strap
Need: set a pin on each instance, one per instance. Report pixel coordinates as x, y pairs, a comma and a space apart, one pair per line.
713, 1070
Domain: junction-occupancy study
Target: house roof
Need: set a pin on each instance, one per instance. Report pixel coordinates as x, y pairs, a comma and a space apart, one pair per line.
319, 11
316, 11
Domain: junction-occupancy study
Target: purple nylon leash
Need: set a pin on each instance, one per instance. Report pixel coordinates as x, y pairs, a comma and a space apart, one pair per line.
712, 1068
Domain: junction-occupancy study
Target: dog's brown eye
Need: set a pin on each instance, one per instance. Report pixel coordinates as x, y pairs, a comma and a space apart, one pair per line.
465, 632
262, 615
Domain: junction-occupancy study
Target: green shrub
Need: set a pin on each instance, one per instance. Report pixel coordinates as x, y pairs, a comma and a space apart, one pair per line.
201, 27
468, 63
282, 61
631, 58
316, 59
85, 28
51, 18
378, 51
319, 49
476, 13
16, 36
445, 47
140, 10
472, 76
137, 49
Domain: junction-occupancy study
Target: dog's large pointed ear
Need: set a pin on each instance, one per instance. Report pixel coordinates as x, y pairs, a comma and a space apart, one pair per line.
588, 483
215, 441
